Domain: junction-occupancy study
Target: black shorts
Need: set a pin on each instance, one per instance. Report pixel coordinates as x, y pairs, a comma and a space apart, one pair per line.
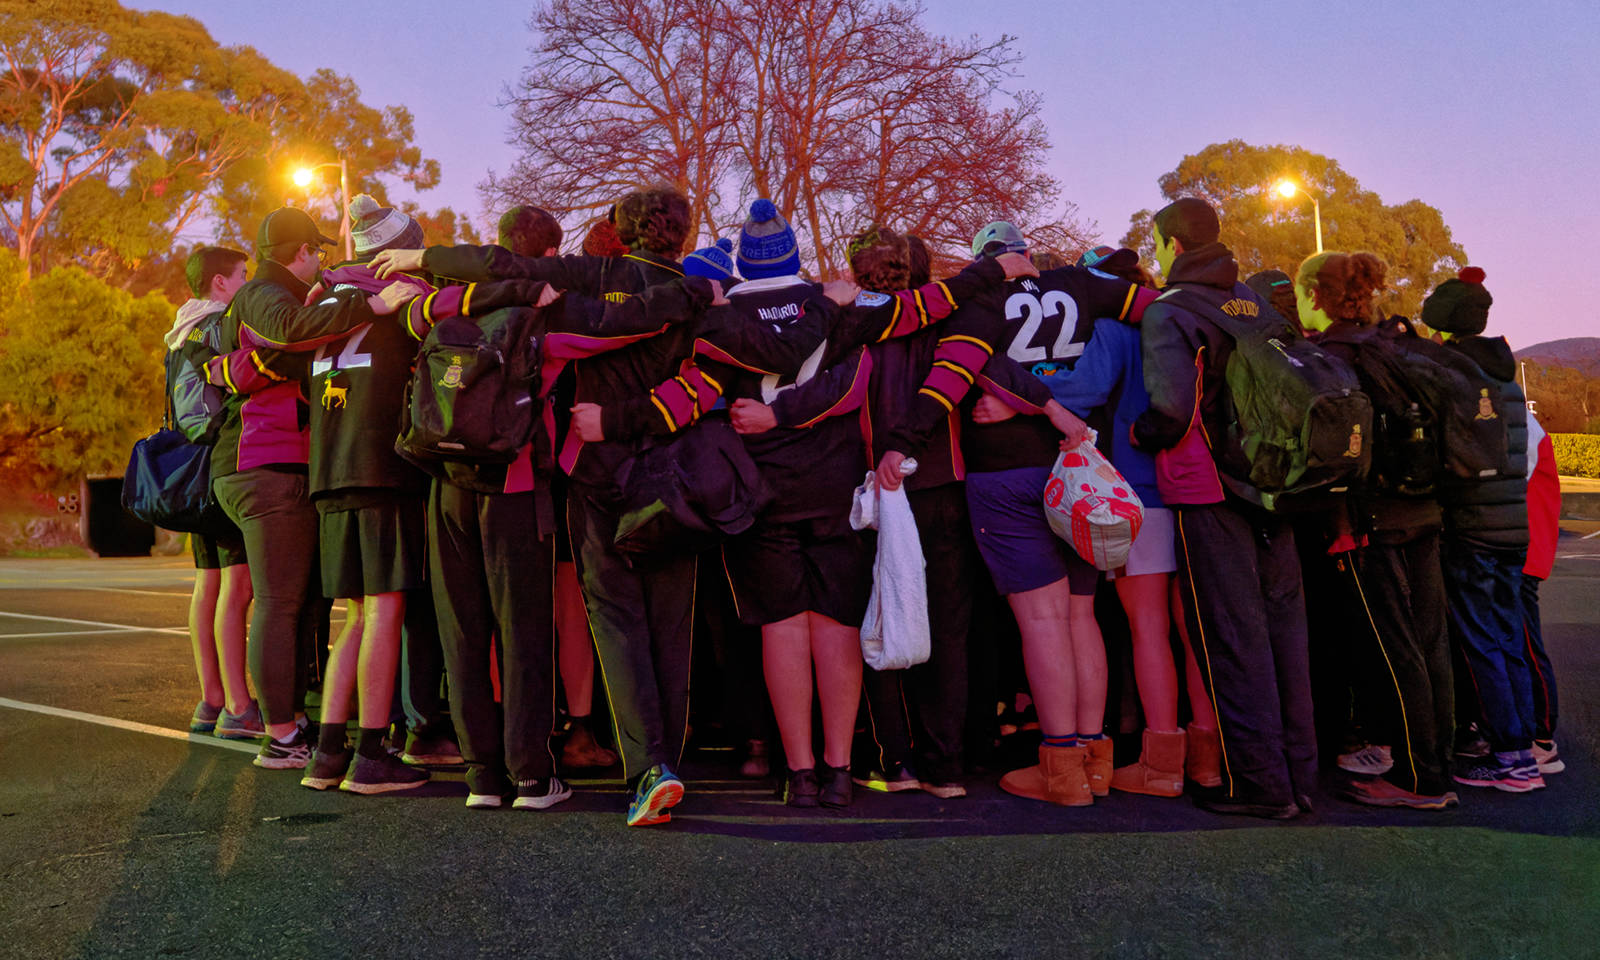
215, 553
371, 544
779, 569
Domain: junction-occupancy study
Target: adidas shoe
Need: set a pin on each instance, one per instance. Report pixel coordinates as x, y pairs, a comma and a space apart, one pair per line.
1370, 760
540, 794
659, 789
292, 754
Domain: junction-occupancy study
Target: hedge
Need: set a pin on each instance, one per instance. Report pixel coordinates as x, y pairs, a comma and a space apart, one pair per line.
1577, 454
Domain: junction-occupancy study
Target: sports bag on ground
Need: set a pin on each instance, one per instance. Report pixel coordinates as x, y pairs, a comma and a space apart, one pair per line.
472, 398
168, 484
1091, 506
1298, 413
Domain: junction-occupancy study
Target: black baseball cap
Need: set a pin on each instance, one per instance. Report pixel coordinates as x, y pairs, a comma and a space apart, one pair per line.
289, 225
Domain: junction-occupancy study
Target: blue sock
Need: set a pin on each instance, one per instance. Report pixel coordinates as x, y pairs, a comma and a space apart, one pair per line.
1067, 740
1090, 737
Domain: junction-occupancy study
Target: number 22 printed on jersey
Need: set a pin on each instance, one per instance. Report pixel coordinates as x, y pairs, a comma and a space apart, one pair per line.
1049, 330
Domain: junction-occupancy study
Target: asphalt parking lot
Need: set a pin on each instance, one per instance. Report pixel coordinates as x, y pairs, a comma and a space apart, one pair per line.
122, 835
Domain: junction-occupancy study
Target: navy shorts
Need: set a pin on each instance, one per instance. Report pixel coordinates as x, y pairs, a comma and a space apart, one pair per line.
216, 553
1018, 547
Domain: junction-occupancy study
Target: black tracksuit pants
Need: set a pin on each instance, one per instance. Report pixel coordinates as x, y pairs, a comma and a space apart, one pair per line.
918, 715
493, 583
1545, 705
1246, 612
1401, 588
642, 618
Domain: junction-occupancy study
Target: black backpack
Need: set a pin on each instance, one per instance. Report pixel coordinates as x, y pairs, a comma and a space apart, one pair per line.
1411, 397
1473, 438
1298, 413
472, 399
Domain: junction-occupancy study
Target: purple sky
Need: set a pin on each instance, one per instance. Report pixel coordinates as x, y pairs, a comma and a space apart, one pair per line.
1489, 112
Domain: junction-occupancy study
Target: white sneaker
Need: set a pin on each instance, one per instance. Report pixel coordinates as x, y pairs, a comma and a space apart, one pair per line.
540, 794
484, 801
1371, 761
1549, 760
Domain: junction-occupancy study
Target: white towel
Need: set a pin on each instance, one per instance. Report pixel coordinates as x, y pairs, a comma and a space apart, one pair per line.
895, 633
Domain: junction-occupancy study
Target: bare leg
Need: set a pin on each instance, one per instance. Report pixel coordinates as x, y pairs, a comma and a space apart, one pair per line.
836, 649
576, 646
202, 634
1089, 664
339, 682
382, 616
1205, 715
1145, 600
231, 623
786, 661
1042, 619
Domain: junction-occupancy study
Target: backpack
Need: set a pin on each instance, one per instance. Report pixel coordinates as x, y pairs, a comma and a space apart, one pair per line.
688, 492
1298, 413
1411, 397
471, 399
1473, 438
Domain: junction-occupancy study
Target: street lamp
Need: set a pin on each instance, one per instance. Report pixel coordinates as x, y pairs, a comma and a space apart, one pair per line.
302, 178
1287, 189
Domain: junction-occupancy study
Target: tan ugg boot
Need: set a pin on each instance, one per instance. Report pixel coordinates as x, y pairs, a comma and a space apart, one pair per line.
1159, 772
1058, 778
1097, 766
1203, 764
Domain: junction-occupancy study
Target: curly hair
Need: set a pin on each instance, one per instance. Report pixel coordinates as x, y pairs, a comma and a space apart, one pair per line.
880, 259
655, 219
1343, 285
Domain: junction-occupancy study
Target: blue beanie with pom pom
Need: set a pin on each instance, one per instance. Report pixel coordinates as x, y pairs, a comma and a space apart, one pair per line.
714, 262
767, 247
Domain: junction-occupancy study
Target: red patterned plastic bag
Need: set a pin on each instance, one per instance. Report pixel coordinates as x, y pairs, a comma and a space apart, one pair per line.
1091, 506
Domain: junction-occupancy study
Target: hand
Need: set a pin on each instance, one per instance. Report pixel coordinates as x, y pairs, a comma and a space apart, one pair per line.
842, 292
749, 416
392, 261
390, 298
547, 296
991, 409
1017, 265
1067, 422
889, 470
586, 422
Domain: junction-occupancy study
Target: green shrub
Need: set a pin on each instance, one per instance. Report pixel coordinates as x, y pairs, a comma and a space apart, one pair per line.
1577, 454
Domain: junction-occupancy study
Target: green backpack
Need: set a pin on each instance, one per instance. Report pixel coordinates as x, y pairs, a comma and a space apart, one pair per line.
1298, 416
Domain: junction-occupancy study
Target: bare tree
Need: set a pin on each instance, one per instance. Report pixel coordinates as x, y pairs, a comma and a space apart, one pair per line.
843, 112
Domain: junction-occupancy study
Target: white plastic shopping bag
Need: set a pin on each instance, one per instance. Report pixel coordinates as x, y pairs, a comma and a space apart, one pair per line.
895, 633
1091, 506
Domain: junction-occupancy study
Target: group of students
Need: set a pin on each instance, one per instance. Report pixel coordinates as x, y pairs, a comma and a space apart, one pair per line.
499, 583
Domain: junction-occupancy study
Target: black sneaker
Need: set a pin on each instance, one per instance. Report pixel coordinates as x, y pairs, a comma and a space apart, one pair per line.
1221, 803
430, 751
383, 775
291, 755
802, 789
326, 769
540, 794
837, 790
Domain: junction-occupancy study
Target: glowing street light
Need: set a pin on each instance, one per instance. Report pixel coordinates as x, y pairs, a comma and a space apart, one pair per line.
1287, 189
302, 178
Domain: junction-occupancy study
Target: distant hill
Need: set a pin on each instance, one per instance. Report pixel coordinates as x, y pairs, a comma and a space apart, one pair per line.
1579, 353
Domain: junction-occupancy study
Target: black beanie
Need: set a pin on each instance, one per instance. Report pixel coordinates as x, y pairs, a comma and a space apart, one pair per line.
1460, 305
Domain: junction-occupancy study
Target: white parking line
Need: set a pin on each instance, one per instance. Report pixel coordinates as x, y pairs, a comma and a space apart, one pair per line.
181, 631
243, 746
58, 633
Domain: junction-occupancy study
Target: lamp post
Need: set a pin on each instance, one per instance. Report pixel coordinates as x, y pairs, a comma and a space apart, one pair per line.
302, 178
1287, 188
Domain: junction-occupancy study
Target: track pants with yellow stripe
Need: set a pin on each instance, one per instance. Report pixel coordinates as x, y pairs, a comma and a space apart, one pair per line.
1400, 589
1246, 612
